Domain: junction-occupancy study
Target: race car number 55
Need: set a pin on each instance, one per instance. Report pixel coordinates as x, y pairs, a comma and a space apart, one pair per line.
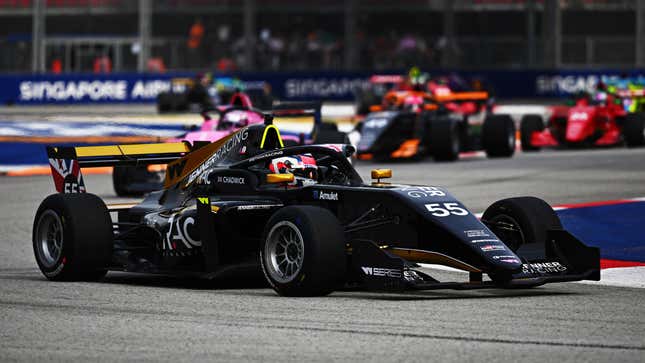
446, 209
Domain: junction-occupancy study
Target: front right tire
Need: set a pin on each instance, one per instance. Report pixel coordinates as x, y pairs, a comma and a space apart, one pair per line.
521, 221
445, 143
529, 125
634, 130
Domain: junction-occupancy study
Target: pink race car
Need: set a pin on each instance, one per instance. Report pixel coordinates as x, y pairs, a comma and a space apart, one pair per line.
137, 180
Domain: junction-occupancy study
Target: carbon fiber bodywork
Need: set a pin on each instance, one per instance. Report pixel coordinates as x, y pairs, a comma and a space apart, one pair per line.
212, 215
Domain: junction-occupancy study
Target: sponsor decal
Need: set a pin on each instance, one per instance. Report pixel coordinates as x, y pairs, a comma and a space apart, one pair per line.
259, 206
178, 232
485, 240
322, 195
566, 84
219, 154
67, 176
502, 256
510, 260
322, 87
476, 233
381, 272
579, 116
231, 180
489, 248
72, 90
543, 267
423, 192
266, 156
375, 123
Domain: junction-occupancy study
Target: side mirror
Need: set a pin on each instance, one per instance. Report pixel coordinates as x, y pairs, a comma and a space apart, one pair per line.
279, 178
379, 174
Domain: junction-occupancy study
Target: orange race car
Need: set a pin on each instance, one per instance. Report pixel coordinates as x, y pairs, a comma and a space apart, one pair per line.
418, 117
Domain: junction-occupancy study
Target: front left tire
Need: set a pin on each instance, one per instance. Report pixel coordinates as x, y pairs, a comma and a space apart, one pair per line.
634, 130
303, 252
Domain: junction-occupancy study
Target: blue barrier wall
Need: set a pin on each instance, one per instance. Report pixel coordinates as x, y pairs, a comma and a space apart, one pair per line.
143, 88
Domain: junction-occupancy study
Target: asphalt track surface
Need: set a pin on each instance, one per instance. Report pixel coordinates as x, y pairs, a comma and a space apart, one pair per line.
152, 318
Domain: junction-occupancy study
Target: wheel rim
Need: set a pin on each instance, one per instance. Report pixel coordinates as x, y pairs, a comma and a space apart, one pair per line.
284, 252
455, 142
511, 139
508, 230
49, 238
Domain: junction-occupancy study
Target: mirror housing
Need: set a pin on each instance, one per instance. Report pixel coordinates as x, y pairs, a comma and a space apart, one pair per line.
279, 178
379, 174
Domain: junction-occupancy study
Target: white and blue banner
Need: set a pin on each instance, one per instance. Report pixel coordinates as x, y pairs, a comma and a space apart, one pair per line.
326, 86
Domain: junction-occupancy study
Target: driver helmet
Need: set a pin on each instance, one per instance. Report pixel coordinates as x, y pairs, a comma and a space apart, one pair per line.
303, 168
233, 120
417, 79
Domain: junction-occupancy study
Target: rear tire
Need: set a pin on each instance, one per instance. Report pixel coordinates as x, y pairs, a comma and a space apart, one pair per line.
364, 99
498, 136
445, 144
164, 102
72, 237
529, 125
634, 130
303, 252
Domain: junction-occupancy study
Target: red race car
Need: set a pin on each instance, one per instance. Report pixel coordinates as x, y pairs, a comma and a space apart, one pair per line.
587, 123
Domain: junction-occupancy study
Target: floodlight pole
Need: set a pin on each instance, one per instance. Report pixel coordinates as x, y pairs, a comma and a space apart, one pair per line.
145, 18
640, 28
250, 9
448, 57
552, 30
350, 34
530, 33
37, 37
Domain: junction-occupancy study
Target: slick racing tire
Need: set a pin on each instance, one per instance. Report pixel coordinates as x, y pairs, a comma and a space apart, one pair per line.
634, 130
121, 178
303, 252
498, 136
521, 221
444, 140
164, 102
529, 125
72, 237
364, 99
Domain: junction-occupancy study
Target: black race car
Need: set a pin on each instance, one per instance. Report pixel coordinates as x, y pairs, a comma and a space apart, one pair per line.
414, 124
244, 201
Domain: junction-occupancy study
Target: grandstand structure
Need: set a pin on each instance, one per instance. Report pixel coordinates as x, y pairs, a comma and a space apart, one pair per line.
290, 35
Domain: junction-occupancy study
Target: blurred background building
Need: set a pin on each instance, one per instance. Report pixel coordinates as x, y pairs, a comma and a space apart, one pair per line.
103, 36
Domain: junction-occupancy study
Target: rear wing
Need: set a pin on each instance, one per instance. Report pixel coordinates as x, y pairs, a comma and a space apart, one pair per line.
296, 109
386, 78
461, 97
66, 162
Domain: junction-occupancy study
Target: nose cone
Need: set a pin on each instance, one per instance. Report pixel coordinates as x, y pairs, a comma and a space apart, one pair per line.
579, 127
